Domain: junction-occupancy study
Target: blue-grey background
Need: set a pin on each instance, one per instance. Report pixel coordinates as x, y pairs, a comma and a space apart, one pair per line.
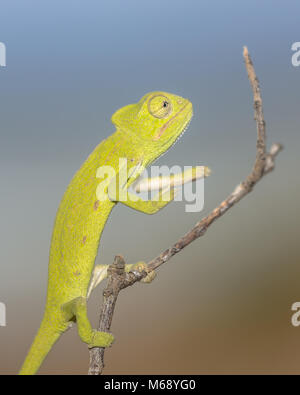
224, 304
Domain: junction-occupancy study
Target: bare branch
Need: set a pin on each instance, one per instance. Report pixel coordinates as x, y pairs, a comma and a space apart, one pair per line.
110, 295
118, 279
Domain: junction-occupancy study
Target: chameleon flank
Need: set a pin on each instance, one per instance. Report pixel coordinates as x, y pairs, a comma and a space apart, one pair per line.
144, 131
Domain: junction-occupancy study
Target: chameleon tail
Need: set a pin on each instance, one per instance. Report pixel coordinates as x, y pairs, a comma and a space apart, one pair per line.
46, 337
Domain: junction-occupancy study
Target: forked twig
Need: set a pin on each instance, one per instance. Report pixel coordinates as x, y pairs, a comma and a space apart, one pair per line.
118, 279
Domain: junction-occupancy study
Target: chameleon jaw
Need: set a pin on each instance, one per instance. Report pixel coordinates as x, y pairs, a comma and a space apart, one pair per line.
168, 123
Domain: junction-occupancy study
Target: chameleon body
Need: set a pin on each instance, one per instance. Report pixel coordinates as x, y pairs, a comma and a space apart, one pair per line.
144, 131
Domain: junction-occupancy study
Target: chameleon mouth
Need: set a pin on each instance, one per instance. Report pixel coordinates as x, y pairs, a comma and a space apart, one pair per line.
187, 124
170, 143
167, 124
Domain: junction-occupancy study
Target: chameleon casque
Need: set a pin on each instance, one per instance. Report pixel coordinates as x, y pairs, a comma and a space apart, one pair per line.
144, 131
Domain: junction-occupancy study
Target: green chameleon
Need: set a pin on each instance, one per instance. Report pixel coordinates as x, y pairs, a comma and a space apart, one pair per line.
144, 131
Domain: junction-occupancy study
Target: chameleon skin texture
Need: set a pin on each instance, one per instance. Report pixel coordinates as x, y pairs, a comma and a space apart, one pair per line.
144, 131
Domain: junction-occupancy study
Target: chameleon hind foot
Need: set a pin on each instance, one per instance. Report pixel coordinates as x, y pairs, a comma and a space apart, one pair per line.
100, 273
140, 267
101, 339
76, 310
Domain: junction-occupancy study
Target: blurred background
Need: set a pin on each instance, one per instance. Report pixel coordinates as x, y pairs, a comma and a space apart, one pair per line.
224, 304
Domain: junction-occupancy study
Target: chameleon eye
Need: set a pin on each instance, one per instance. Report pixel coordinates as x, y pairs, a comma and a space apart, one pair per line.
159, 106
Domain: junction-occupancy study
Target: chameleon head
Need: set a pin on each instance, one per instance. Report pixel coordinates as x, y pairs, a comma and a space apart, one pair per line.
157, 120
